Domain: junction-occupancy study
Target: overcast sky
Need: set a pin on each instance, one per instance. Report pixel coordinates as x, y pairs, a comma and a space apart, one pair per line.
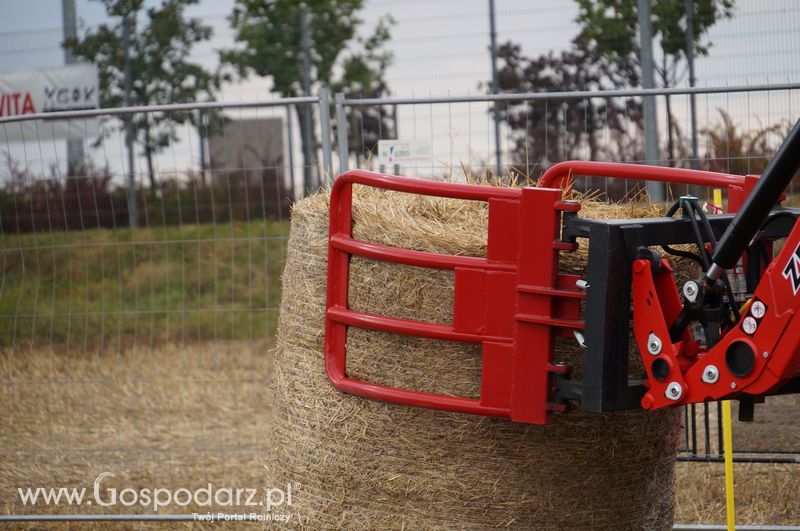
441, 45
440, 48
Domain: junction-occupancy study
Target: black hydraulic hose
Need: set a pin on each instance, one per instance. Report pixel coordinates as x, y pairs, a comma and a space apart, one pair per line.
698, 236
728, 289
683, 254
674, 208
677, 252
748, 221
691, 210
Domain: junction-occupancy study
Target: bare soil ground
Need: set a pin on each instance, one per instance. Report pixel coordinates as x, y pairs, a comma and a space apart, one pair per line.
185, 416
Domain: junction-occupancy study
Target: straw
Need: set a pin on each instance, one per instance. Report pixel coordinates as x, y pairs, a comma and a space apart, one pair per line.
366, 464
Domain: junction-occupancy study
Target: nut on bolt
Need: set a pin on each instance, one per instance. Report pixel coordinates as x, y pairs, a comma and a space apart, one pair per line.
710, 374
690, 290
653, 344
674, 391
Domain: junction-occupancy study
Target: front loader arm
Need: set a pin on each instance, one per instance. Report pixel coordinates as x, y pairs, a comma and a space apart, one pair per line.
755, 356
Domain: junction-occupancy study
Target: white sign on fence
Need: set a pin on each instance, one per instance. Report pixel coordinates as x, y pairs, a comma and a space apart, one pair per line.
404, 151
66, 88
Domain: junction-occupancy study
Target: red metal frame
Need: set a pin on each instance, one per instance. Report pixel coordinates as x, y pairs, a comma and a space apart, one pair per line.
776, 341
559, 175
738, 186
512, 302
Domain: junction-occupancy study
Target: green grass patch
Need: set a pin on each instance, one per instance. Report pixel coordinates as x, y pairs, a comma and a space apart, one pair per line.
184, 283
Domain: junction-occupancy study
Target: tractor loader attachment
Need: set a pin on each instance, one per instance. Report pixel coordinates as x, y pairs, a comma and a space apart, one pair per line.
703, 342
752, 349
512, 302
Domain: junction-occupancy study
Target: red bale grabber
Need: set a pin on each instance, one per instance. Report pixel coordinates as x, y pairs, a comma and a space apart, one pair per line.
515, 301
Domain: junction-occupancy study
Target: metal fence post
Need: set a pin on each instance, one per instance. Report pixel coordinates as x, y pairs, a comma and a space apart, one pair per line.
325, 126
341, 133
133, 214
496, 106
688, 6
290, 149
656, 191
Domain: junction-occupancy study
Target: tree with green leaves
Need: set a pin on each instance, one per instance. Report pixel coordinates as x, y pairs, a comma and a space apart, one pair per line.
270, 37
160, 42
611, 28
363, 74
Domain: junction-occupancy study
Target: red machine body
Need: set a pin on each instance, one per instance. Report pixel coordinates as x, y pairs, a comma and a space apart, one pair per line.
769, 328
515, 301
511, 302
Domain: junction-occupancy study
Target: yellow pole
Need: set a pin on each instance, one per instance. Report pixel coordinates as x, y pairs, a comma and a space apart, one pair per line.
718, 197
727, 435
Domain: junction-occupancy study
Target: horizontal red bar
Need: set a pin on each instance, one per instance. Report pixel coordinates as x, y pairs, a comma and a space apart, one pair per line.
545, 320
406, 327
565, 246
410, 185
568, 207
556, 176
543, 290
417, 399
414, 258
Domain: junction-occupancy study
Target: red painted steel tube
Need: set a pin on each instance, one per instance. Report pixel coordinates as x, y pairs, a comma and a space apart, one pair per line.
416, 398
393, 325
543, 319
410, 185
413, 258
558, 176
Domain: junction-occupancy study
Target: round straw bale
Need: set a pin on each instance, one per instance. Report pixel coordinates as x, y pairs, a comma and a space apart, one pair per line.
372, 465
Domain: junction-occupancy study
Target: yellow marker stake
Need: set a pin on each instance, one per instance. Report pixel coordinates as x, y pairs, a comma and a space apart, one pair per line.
727, 432
718, 197
727, 435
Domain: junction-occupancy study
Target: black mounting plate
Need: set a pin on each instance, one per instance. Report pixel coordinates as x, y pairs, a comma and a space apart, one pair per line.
613, 245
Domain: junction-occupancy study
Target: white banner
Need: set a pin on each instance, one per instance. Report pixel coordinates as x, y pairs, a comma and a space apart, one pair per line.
404, 151
66, 88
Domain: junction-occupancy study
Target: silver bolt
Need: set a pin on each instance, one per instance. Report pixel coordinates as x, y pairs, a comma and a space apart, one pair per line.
579, 337
733, 385
653, 344
749, 325
690, 291
710, 374
674, 391
581, 284
765, 354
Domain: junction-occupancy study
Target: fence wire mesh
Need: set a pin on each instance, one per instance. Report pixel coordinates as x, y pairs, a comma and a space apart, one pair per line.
136, 340
735, 130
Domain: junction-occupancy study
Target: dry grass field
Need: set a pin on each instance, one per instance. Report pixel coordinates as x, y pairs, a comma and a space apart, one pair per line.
184, 416
765, 493
140, 355
169, 418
